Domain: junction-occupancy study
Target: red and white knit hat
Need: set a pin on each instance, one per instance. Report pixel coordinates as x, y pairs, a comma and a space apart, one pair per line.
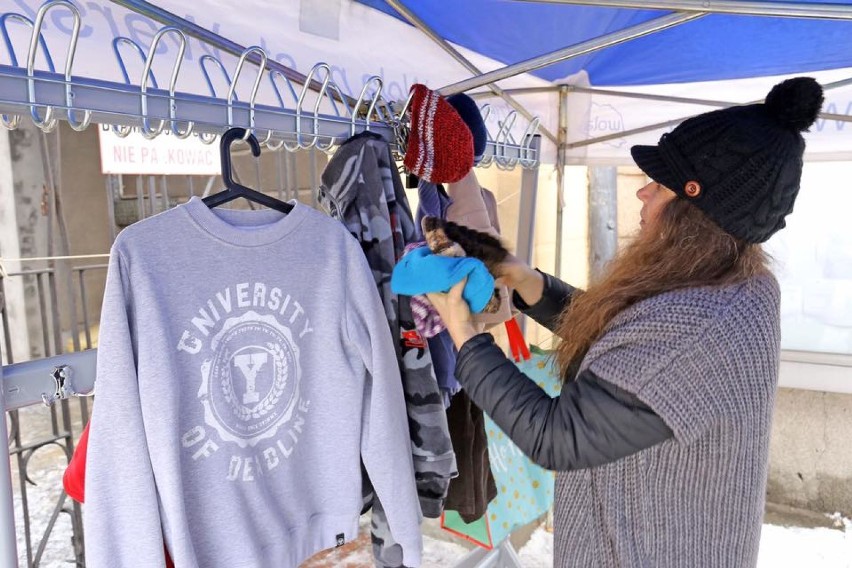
440, 145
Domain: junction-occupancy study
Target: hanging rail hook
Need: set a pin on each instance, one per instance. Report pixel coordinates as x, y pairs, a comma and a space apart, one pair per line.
320, 95
332, 86
333, 102
406, 104
399, 125
272, 74
221, 66
15, 121
526, 144
49, 122
326, 92
383, 110
233, 87
300, 145
124, 131
371, 108
211, 138
502, 141
147, 131
487, 159
63, 385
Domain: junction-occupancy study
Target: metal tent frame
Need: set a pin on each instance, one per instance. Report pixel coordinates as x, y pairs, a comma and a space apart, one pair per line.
26, 90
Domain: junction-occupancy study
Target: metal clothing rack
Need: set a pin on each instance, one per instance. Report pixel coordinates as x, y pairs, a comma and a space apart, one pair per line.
318, 114
46, 96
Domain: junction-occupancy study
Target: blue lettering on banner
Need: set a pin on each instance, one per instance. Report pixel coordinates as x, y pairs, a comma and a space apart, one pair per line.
142, 30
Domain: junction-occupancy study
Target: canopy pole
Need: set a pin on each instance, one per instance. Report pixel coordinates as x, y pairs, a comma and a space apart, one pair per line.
595, 44
519, 91
645, 96
611, 93
415, 21
822, 10
202, 34
560, 174
603, 219
8, 545
525, 242
651, 127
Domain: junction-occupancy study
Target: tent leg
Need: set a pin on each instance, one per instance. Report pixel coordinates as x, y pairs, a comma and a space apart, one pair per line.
603, 218
562, 137
526, 214
8, 545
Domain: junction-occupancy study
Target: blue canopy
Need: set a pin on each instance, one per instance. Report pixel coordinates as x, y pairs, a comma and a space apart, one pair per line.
715, 47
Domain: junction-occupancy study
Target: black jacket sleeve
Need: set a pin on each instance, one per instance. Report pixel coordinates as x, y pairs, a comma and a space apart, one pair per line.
591, 423
555, 298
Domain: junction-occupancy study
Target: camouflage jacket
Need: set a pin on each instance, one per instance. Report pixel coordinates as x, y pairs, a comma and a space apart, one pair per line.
361, 188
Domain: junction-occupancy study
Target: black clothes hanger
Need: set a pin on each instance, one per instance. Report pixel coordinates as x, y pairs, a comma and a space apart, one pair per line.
234, 190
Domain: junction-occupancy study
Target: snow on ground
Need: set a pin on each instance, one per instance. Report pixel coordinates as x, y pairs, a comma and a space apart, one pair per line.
781, 547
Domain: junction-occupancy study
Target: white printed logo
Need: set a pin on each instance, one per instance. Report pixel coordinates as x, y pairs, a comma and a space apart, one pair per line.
251, 386
250, 378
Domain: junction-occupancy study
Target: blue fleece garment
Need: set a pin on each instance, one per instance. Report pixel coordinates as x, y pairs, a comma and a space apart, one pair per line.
421, 272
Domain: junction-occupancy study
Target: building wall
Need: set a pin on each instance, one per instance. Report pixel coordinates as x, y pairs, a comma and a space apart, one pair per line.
810, 462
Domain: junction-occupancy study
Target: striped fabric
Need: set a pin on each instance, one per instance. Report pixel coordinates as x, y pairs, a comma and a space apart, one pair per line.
440, 145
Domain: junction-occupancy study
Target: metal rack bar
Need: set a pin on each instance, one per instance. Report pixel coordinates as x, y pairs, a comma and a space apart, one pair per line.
595, 44
116, 103
822, 10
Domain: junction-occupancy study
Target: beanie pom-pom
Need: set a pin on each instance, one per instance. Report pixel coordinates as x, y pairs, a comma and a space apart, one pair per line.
795, 102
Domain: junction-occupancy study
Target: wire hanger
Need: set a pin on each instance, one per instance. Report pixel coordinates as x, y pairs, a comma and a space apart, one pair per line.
233, 190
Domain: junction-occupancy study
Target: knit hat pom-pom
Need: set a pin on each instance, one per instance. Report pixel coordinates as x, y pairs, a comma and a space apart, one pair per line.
795, 102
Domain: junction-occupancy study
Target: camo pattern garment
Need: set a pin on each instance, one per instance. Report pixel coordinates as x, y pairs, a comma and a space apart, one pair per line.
362, 189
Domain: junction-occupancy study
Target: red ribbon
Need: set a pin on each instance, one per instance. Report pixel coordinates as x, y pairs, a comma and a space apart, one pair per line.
520, 349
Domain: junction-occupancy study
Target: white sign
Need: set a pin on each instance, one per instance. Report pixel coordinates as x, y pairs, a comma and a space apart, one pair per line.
164, 155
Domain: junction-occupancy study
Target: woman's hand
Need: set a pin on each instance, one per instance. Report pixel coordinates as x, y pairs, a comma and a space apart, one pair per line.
455, 313
518, 275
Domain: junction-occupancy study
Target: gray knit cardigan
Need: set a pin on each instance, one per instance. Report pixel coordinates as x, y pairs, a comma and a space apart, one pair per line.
706, 361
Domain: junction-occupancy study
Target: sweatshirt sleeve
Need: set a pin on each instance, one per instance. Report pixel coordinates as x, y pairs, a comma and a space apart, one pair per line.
122, 520
385, 440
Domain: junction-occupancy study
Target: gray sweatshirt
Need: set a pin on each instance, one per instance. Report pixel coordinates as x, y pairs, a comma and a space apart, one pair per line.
245, 368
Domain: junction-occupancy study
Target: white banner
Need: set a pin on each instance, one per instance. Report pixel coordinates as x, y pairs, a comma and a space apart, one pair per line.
612, 120
165, 155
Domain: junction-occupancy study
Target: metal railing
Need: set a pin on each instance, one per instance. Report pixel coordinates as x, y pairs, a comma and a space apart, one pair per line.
58, 425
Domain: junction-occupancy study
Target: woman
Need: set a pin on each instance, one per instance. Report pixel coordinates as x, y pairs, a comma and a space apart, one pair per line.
661, 432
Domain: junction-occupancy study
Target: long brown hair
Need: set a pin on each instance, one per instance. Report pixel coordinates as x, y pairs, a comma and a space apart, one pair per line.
683, 249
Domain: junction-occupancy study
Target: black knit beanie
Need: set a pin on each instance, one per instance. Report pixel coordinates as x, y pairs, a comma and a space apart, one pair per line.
742, 165
469, 111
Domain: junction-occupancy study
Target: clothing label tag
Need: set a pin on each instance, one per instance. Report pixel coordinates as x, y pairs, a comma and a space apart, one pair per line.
340, 539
